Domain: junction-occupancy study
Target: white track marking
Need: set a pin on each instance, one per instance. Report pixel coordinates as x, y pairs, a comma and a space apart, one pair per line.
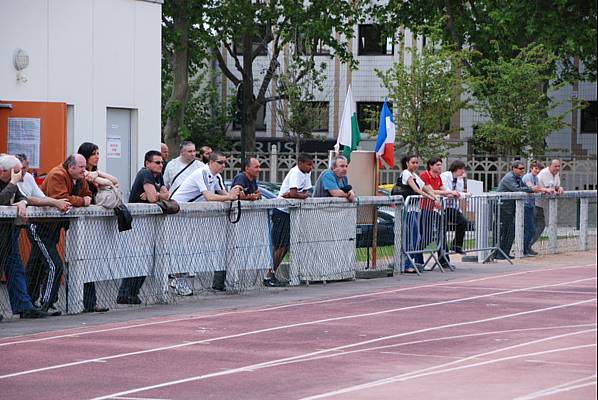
405, 377
283, 361
563, 387
301, 304
300, 324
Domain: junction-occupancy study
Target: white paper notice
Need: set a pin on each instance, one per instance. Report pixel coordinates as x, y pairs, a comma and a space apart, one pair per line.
113, 147
24, 137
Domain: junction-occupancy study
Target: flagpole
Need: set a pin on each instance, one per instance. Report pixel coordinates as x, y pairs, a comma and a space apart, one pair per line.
375, 212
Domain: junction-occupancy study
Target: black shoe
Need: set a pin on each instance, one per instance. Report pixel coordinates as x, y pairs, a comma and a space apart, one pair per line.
219, 288
273, 282
96, 308
459, 250
128, 300
501, 257
530, 252
1, 317
54, 313
33, 313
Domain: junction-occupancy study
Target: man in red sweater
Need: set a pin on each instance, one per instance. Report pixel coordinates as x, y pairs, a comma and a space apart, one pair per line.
431, 219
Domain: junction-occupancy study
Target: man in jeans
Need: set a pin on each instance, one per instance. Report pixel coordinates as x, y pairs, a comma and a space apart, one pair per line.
531, 224
20, 301
548, 178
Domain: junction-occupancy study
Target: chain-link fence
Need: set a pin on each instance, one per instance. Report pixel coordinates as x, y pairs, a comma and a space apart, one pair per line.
233, 247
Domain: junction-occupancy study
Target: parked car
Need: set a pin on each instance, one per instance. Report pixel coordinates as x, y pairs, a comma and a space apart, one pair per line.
386, 219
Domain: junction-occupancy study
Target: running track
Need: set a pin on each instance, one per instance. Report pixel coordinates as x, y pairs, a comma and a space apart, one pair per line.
517, 335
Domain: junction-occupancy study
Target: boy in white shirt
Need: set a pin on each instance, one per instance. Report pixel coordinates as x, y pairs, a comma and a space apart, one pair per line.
296, 185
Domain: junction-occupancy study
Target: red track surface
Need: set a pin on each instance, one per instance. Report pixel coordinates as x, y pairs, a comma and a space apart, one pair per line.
528, 334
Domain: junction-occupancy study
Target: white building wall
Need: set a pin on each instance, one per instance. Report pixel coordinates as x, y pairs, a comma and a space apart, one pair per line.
92, 54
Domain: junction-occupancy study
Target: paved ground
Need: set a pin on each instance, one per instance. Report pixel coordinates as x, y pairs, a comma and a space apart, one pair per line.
490, 331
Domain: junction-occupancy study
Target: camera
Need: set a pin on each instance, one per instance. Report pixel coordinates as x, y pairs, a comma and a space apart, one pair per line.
347, 188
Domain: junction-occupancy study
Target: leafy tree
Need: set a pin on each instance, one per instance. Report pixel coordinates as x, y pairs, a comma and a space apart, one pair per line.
425, 95
184, 52
508, 94
242, 30
499, 29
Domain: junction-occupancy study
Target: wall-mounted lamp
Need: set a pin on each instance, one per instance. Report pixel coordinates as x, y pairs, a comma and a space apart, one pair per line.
20, 61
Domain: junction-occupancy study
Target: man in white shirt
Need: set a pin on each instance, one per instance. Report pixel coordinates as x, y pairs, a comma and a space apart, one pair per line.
549, 179
181, 167
206, 184
296, 185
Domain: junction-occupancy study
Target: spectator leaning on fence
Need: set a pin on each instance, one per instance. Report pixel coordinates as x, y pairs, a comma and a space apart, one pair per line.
409, 184
454, 179
431, 219
548, 178
334, 182
148, 187
181, 167
206, 184
20, 301
533, 220
44, 266
296, 185
511, 182
174, 175
67, 181
247, 180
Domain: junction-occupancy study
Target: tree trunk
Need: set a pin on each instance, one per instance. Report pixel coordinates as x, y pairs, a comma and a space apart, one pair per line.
180, 86
250, 107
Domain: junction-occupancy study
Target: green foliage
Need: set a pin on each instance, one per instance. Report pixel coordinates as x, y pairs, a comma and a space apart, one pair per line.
495, 29
512, 94
425, 95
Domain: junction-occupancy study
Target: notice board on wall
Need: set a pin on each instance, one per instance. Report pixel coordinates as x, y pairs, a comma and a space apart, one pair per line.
37, 129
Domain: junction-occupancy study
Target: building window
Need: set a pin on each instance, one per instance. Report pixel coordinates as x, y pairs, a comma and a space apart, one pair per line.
307, 47
374, 42
260, 120
318, 110
368, 115
589, 118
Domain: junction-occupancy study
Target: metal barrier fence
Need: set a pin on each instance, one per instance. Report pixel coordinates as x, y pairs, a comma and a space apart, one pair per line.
328, 239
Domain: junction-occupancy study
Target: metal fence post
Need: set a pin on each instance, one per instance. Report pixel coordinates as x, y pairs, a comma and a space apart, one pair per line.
583, 224
274, 164
519, 227
552, 226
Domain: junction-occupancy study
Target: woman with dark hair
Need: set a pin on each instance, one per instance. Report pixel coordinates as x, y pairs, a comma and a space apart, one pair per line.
95, 179
409, 184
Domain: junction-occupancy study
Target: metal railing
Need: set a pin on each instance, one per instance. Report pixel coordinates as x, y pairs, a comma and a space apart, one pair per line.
329, 239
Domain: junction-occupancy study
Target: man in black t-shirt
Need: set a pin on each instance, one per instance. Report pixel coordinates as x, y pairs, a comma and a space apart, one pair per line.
248, 180
148, 187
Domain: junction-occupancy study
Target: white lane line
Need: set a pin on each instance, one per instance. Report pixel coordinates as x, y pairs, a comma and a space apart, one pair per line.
302, 358
563, 387
592, 293
414, 375
136, 398
282, 327
279, 307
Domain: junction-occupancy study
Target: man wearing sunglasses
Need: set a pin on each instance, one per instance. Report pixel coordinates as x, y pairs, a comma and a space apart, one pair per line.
148, 187
206, 184
511, 182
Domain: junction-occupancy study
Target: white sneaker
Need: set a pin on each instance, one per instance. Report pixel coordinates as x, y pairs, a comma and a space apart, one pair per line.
172, 283
183, 287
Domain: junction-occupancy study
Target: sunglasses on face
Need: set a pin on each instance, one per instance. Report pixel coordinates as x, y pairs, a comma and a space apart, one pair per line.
158, 162
221, 162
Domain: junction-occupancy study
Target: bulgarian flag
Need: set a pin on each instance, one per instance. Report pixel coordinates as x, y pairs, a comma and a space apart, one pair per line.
385, 145
348, 134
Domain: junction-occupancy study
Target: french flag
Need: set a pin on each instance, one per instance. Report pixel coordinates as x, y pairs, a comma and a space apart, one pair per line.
385, 145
